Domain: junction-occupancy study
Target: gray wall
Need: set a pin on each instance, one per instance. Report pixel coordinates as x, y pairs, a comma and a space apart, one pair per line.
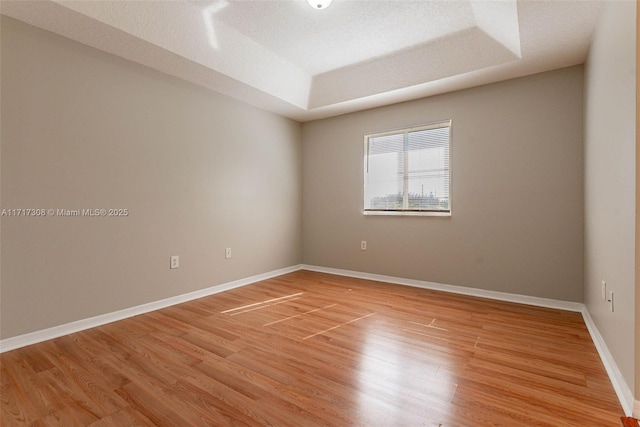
197, 171
610, 141
517, 191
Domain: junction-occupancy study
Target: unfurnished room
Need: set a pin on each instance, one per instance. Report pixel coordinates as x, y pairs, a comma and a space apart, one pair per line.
319, 213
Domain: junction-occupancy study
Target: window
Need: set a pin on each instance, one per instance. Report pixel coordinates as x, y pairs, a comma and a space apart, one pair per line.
407, 171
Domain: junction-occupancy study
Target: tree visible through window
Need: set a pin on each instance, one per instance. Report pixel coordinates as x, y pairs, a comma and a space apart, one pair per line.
408, 170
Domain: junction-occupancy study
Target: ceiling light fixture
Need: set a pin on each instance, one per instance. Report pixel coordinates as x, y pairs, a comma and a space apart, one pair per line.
319, 4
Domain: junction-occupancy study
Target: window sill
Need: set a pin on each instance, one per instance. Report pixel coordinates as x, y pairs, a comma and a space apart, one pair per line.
405, 213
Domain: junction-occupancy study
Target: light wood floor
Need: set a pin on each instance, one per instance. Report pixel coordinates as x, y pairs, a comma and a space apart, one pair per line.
308, 349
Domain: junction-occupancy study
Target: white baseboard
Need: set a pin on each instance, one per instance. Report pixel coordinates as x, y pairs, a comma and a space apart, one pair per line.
80, 325
501, 296
625, 395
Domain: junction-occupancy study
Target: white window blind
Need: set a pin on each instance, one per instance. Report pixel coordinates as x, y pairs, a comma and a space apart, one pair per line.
408, 171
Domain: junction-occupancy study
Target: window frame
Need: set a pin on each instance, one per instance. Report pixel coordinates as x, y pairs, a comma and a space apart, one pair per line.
401, 212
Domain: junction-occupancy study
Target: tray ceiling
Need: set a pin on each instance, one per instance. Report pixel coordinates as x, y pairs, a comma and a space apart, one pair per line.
305, 64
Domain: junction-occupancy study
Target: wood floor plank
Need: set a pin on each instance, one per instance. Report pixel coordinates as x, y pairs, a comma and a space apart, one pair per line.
125, 417
313, 349
17, 408
68, 416
29, 396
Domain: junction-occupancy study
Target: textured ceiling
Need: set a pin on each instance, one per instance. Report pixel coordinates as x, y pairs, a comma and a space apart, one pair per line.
347, 33
286, 57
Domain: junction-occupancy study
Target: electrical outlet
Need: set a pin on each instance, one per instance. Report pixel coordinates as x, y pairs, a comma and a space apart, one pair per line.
227, 253
610, 300
604, 290
363, 245
175, 262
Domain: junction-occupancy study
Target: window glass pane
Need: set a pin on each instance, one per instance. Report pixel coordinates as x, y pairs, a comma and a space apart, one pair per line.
385, 174
408, 170
428, 171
